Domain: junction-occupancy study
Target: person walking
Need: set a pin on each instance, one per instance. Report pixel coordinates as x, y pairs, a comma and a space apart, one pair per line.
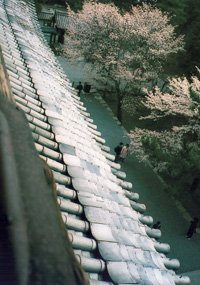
192, 228
118, 150
79, 87
86, 87
157, 225
124, 152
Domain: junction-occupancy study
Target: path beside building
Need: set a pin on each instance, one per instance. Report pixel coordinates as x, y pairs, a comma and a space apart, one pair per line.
145, 182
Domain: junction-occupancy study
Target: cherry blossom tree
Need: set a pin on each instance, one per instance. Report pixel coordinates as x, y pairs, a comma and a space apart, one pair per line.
172, 144
125, 50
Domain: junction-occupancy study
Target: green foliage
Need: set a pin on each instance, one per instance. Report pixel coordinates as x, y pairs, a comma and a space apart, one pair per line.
186, 160
194, 155
155, 148
176, 10
174, 148
126, 5
186, 16
75, 5
123, 5
195, 96
191, 29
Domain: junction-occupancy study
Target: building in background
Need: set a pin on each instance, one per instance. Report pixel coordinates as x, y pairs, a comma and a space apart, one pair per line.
53, 21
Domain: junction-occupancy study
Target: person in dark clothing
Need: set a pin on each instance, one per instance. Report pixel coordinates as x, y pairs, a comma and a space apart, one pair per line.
157, 225
117, 150
192, 228
79, 87
86, 87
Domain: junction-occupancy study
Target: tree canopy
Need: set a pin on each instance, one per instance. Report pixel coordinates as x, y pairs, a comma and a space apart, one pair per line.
172, 143
126, 50
184, 14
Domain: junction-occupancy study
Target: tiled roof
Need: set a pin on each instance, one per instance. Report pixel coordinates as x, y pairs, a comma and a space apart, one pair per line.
110, 234
62, 21
45, 15
61, 18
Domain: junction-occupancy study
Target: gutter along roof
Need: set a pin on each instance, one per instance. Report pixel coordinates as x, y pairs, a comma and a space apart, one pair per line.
110, 235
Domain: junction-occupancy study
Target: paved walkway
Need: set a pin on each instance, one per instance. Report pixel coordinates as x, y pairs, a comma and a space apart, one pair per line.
151, 190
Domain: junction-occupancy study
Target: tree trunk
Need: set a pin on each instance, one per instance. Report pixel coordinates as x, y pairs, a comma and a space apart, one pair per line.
119, 107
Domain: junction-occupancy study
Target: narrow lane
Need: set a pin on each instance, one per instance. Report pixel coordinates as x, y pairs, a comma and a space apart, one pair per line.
159, 204
151, 190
